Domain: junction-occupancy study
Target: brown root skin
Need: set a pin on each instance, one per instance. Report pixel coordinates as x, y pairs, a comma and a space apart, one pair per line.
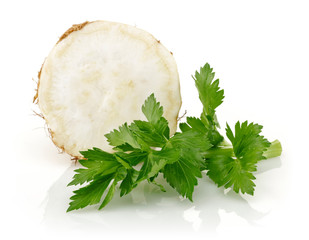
182, 116
38, 114
75, 159
35, 98
74, 28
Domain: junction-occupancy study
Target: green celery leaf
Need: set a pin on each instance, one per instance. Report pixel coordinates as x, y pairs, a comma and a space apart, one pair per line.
119, 175
91, 194
124, 148
190, 140
184, 127
151, 166
155, 162
247, 143
209, 91
211, 132
197, 125
211, 97
236, 171
155, 132
129, 182
226, 170
133, 158
161, 187
153, 135
98, 163
121, 137
152, 109
182, 173
170, 155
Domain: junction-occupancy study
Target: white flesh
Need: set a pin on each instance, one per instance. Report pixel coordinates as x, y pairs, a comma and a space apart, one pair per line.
98, 77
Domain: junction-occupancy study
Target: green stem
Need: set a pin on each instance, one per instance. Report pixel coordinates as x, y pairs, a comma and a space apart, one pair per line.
274, 150
222, 150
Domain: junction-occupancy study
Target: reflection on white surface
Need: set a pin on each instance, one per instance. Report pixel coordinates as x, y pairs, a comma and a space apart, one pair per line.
148, 207
192, 215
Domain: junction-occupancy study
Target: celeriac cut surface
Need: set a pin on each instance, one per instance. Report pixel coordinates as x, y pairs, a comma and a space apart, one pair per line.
98, 77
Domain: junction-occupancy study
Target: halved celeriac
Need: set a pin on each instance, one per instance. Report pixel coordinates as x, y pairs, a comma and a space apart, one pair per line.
97, 77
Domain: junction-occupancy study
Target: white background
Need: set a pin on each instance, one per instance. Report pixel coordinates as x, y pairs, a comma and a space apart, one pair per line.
260, 52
